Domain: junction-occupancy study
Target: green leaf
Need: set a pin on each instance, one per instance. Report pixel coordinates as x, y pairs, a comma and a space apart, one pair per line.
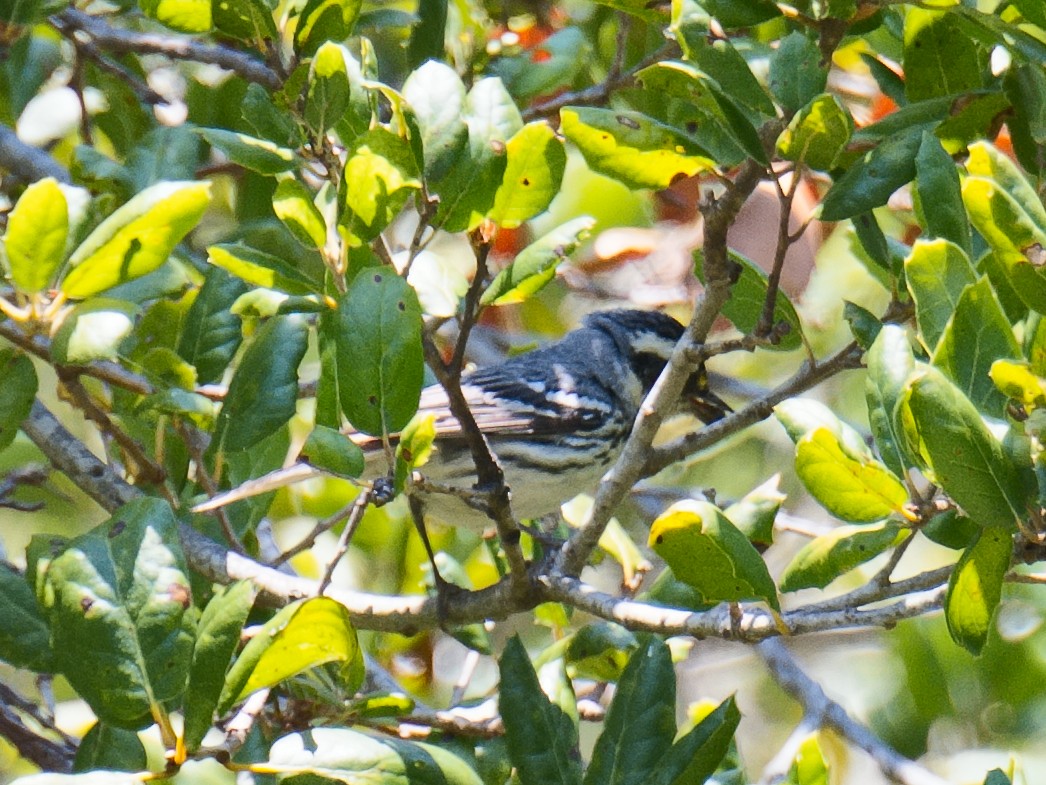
718, 58
987, 161
533, 175
468, 190
890, 363
37, 229
977, 335
322, 21
852, 490
427, 36
943, 427
975, 588
293, 205
258, 155
797, 74
327, 96
818, 133
939, 58
247, 20
1015, 380
631, 147
1003, 215
260, 114
708, 553
350, 756
542, 739
951, 530
301, 636
802, 416
185, 16
219, 631
870, 181
536, 264
696, 109
211, 333
263, 393
600, 651
872, 240
741, 13
333, 452
93, 330
119, 605
937, 273
755, 512
825, 558
136, 239
641, 720
380, 362
25, 638
864, 325
937, 184
747, 296
18, 386
810, 766
108, 748
436, 94
261, 269
380, 175
695, 757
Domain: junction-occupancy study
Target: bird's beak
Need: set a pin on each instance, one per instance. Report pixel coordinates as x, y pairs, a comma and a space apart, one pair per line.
709, 407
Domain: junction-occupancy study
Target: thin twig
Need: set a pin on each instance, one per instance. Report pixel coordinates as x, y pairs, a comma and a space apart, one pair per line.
359, 507
26, 161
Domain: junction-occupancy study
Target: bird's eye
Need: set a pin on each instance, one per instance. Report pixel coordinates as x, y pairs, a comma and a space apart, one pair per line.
660, 539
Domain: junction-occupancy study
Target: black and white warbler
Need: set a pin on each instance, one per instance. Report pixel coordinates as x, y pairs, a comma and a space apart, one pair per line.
556, 418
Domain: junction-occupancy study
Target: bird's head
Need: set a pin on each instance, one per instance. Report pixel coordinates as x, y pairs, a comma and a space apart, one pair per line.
647, 339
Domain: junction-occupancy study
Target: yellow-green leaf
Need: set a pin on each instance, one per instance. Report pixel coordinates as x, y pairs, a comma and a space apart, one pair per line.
825, 558
852, 490
36, 233
975, 588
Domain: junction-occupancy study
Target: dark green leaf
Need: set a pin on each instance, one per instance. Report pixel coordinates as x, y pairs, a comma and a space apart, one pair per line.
864, 325
977, 335
720, 60
247, 20
219, 631
426, 39
600, 651
436, 94
542, 739
263, 392
797, 73
937, 183
322, 21
380, 363
939, 58
25, 639
258, 155
741, 13
747, 297
119, 605
18, 387
870, 181
109, 748
641, 720
944, 427
211, 334
700, 752
332, 451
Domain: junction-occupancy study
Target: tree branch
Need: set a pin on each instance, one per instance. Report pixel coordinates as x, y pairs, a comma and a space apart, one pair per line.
28, 162
111, 39
827, 713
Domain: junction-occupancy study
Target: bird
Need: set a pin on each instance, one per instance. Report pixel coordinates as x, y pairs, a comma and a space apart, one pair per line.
556, 418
